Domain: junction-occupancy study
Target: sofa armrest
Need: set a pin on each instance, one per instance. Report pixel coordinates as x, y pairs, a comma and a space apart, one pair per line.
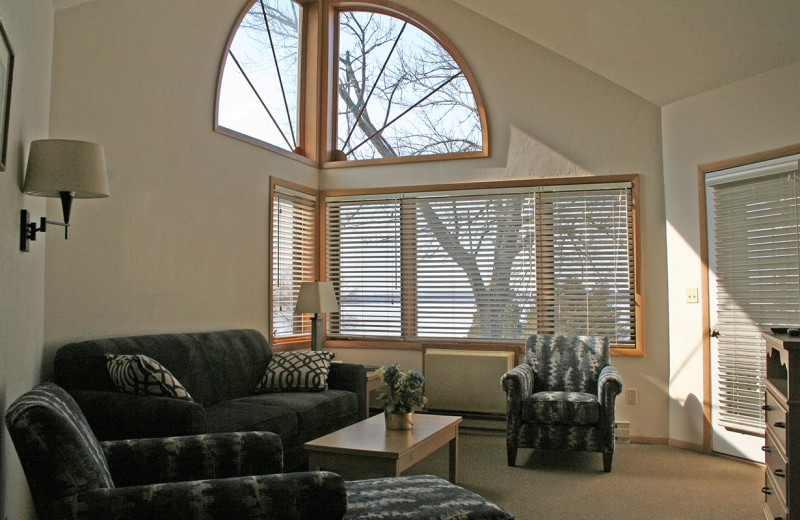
288, 496
194, 457
351, 377
115, 415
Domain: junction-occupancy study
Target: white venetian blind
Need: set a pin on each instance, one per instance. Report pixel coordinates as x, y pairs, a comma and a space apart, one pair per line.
293, 257
586, 264
473, 265
491, 264
756, 266
363, 257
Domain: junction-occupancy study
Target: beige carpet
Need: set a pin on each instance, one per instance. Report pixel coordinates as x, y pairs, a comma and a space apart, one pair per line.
646, 482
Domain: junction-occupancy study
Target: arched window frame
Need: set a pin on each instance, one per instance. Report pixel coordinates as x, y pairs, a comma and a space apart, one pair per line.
318, 76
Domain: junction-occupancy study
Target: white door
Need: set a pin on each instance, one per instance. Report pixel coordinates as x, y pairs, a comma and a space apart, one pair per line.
753, 285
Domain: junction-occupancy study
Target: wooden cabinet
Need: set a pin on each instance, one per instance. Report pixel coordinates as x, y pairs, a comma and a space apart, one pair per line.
782, 440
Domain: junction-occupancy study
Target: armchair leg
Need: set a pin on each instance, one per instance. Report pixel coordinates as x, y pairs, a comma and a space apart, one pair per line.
607, 461
512, 455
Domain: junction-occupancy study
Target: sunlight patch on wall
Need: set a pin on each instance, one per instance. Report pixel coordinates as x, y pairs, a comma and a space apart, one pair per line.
529, 157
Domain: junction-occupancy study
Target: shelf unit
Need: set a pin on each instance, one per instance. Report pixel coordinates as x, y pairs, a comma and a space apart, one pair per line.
782, 415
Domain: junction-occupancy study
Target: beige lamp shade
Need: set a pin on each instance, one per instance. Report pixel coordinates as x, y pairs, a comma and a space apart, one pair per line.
60, 165
316, 297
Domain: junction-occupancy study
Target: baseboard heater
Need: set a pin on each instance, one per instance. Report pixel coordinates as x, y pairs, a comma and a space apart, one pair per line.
466, 380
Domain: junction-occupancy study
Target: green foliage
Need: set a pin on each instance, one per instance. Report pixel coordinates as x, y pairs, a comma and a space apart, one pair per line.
404, 391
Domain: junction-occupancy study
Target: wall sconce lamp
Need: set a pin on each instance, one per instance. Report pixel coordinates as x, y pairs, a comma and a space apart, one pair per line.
65, 169
316, 297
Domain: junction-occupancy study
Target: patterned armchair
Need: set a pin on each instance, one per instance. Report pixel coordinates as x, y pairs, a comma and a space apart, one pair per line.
562, 397
229, 475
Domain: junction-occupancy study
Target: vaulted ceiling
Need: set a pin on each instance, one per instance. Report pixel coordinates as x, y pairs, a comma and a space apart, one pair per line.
662, 50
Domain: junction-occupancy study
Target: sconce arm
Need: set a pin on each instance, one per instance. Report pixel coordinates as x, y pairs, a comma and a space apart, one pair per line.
28, 229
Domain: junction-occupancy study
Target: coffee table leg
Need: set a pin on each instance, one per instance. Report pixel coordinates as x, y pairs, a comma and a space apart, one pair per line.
454, 458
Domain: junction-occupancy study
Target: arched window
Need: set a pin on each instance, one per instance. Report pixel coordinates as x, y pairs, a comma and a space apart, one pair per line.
257, 95
397, 91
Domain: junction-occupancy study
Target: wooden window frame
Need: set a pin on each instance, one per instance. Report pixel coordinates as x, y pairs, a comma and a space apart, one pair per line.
382, 343
318, 76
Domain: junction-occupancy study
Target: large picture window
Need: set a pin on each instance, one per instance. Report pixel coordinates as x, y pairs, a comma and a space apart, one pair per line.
399, 90
485, 264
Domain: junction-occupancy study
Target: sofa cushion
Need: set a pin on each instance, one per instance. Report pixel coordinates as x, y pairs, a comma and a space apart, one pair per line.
252, 414
143, 375
561, 408
318, 413
305, 371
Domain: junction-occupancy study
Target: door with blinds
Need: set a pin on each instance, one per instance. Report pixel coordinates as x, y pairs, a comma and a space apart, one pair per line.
753, 285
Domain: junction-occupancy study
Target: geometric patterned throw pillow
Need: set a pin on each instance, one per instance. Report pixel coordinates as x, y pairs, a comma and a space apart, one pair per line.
143, 375
301, 371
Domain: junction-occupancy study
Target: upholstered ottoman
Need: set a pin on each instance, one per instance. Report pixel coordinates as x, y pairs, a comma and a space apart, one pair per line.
422, 497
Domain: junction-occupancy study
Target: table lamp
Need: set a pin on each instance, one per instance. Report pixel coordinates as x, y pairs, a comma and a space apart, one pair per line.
316, 298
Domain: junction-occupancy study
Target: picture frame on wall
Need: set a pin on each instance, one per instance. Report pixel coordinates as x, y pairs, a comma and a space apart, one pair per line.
6, 77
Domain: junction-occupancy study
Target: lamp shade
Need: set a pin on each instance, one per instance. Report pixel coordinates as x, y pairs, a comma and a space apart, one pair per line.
316, 297
59, 165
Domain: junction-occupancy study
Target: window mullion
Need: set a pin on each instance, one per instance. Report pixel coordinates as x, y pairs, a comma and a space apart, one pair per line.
409, 262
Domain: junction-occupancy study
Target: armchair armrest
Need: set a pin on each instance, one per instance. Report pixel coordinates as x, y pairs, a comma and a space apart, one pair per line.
351, 377
194, 457
115, 415
609, 385
288, 496
518, 384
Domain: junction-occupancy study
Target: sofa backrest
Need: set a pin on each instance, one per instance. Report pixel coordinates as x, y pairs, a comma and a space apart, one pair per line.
212, 366
566, 363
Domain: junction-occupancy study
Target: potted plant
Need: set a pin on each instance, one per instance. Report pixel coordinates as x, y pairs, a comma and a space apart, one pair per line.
403, 395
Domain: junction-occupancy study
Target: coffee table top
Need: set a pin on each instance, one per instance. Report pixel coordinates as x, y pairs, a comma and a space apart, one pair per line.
371, 437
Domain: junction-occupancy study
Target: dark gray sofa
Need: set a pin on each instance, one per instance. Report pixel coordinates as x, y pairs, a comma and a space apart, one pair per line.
220, 370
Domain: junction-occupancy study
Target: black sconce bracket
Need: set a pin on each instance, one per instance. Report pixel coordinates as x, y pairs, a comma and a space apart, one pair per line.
28, 229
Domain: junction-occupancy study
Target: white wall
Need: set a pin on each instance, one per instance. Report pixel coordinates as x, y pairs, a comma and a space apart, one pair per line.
755, 115
30, 29
181, 243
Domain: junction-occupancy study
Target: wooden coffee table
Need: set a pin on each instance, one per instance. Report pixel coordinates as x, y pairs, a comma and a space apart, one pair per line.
367, 450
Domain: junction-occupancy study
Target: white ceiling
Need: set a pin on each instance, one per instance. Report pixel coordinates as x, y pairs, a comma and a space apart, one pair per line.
662, 50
